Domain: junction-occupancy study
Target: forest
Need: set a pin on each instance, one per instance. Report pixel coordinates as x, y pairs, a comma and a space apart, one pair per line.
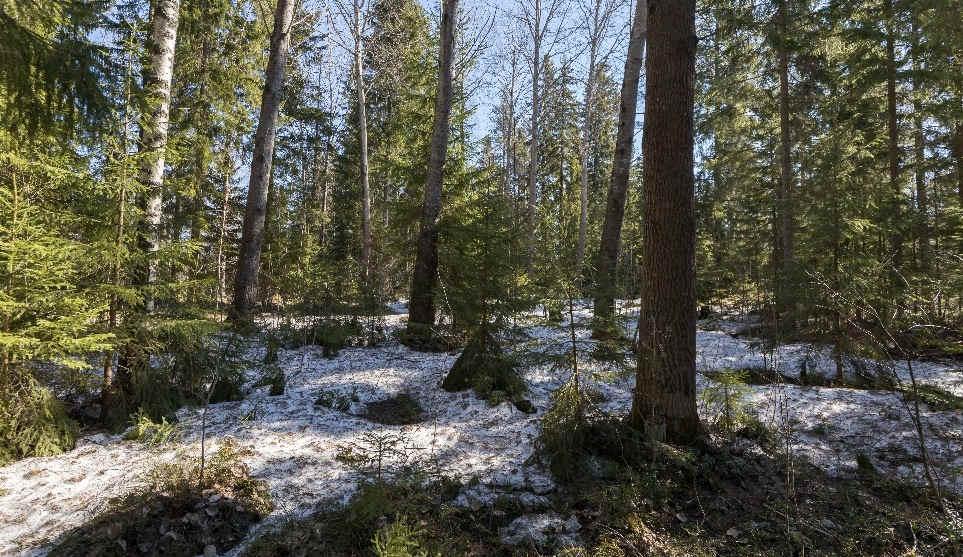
411, 278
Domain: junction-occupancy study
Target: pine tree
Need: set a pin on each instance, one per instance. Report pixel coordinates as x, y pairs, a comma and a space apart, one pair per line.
664, 404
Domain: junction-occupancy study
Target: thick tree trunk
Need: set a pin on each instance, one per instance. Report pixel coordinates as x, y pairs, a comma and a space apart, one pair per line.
621, 166
366, 241
783, 252
157, 84
531, 213
421, 309
665, 394
252, 235
158, 73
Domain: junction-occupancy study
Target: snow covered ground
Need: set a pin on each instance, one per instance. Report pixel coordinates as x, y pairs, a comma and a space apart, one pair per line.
295, 442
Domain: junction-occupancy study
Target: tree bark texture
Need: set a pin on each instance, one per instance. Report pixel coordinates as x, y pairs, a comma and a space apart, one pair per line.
665, 395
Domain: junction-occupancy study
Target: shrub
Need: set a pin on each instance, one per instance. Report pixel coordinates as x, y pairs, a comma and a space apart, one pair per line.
330, 334
407, 516
398, 539
578, 440
724, 400
192, 363
149, 432
484, 367
610, 350
32, 421
206, 367
272, 376
376, 457
271, 346
336, 401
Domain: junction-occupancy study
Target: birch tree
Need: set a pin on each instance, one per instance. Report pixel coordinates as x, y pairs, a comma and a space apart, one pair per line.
597, 17
543, 20
353, 16
158, 74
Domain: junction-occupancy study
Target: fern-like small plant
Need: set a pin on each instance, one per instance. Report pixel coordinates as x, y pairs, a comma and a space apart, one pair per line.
149, 432
398, 539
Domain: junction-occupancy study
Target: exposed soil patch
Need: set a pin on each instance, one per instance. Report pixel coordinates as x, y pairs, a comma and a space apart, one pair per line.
397, 410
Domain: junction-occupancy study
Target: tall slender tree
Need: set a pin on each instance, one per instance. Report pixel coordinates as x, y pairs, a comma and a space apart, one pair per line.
537, 38
664, 403
542, 18
784, 223
421, 311
157, 80
252, 236
598, 15
357, 32
621, 165
919, 148
894, 193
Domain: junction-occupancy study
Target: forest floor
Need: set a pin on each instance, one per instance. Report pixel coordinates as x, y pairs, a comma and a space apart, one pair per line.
295, 442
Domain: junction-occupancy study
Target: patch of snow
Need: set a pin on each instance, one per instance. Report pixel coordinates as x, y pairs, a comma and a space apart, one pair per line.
295, 442
542, 531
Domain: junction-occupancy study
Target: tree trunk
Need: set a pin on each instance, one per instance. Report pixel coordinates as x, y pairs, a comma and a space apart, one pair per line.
201, 154
531, 213
326, 192
584, 148
222, 233
110, 381
958, 150
621, 166
919, 157
157, 84
110, 372
665, 394
892, 124
783, 252
252, 235
421, 310
366, 241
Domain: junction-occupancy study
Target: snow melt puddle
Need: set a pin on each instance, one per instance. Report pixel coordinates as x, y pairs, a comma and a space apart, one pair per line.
295, 442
